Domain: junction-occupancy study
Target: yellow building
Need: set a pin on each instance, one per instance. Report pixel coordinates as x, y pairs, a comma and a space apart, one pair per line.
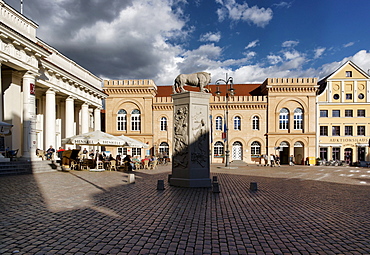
297, 117
343, 119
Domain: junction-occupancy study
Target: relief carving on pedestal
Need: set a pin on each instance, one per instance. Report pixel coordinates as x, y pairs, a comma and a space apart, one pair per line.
180, 158
200, 132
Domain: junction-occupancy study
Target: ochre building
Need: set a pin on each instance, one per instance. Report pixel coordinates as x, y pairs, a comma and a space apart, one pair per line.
282, 116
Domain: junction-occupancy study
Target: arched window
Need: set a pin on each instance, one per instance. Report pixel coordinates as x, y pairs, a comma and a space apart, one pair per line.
218, 123
237, 123
218, 149
135, 120
163, 124
255, 123
255, 148
121, 120
298, 118
284, 118
164, 148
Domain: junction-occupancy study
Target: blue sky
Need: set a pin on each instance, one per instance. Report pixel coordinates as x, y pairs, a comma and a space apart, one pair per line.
249, 40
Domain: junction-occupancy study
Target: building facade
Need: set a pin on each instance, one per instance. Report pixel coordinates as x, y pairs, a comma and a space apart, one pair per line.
281, 116
343, 115
44, 95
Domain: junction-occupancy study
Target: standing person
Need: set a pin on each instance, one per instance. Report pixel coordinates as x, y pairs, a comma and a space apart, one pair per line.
128, 162
291, 160
272, 160
277, 160
266, 159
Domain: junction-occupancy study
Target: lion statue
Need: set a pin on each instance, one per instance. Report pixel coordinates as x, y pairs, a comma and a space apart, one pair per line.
200, 79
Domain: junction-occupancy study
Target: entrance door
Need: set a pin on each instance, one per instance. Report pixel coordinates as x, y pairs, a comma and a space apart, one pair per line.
361, 154
298, 153
237, 151
348, 156
284, 153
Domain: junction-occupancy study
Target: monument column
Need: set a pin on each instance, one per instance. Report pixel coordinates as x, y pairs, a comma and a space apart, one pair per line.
70, 116
29, 115
84, 118
191, 153
50, 117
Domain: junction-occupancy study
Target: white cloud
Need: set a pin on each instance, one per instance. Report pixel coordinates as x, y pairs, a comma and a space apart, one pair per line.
242, 12
319, 52
252, 44
348, 44
274, 59
210, 37
283, 5
288, 44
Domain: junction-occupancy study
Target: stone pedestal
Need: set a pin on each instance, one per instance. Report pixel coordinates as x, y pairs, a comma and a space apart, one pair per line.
191, 154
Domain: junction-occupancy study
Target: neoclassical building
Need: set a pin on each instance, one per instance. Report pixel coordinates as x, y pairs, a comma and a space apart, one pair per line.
284, 116
44, 95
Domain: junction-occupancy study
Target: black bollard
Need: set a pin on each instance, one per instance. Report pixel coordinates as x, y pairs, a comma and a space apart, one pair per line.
160, 185
214, 179
215, 187
253, 186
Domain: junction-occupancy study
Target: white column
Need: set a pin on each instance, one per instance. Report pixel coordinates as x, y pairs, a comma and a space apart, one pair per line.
69, 117
50, 119
97, 121
1, 97
29, 115
84, 118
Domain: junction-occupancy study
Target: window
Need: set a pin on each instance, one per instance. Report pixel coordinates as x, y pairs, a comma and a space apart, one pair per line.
122, 151
218, 149
298, 118
163, 124
348, 113
164, 148
336, 153
336, 96
348, 130
336, 130
135, 120
324, 113
255, 123
360, 130
284, 118
324, 153
349, 96
324, 130
218, 123
121, 120
335, 113
255, 148
361, 96
136, 152
360, 113
348, 73
237, 123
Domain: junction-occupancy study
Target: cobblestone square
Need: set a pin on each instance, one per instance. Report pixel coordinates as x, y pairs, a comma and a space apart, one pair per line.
296, 210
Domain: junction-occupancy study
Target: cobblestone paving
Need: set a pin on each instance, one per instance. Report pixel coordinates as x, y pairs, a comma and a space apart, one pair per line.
296, 210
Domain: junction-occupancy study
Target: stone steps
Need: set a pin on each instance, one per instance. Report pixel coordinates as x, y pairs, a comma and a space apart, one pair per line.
27, 167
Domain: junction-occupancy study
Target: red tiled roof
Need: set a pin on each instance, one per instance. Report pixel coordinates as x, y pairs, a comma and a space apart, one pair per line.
240, 89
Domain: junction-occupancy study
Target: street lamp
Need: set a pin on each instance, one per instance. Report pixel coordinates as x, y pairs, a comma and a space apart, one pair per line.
230, 91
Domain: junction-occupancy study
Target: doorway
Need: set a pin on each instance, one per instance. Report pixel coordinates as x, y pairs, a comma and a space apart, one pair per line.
348, 156
237, 151
361, 153
284, 153
299, 153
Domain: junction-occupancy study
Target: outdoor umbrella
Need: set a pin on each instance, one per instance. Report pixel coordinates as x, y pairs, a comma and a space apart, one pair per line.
95, 138
132, 143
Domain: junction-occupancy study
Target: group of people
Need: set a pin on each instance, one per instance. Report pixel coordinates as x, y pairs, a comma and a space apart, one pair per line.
274, 160
135, 162
271, 160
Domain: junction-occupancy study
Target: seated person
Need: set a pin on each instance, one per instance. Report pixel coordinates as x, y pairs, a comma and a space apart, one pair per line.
50, 152
130, 164
60, 152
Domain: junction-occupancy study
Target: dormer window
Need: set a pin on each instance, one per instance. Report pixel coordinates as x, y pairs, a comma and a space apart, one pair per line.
348, 73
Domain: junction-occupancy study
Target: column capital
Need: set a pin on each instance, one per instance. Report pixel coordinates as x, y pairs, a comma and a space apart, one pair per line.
53, 90
69, 98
